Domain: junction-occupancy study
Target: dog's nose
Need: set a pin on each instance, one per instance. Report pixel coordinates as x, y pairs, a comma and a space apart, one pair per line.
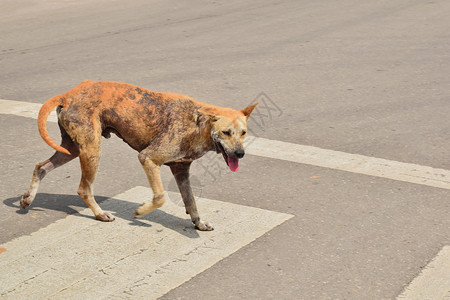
239, 153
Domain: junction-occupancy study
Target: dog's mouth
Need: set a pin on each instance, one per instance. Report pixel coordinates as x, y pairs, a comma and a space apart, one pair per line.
233, 163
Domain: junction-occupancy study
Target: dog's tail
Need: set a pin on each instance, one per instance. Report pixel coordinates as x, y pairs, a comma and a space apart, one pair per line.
45, 110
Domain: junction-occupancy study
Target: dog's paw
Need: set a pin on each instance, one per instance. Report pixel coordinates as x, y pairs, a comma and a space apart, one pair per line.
204, 226
26, 200
105, 217
140, 212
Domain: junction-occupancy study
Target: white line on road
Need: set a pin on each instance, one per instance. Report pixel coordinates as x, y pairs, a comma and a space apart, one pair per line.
78, 257
23, 109
309, 155
354, 163
434, 280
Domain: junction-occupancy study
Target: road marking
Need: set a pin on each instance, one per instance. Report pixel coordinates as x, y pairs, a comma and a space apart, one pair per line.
354, 163
78, 257
434, 280
23, 109
309, 155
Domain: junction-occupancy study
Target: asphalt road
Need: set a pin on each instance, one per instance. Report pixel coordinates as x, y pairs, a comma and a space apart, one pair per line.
366, 78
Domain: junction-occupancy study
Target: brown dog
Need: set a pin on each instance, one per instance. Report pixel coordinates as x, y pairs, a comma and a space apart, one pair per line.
164, 128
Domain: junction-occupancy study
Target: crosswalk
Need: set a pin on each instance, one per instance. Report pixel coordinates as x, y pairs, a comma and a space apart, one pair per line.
143, 259
434, 280
78, 257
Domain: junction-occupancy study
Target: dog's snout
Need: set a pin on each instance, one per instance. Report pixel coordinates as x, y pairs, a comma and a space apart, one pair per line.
239, 153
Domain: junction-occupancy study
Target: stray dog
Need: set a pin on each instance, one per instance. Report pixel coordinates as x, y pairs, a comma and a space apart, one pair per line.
165, 128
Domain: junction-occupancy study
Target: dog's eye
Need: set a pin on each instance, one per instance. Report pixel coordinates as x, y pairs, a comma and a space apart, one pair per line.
244, 132
226, 132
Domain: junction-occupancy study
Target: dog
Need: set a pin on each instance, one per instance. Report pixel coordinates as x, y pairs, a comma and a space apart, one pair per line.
165, 128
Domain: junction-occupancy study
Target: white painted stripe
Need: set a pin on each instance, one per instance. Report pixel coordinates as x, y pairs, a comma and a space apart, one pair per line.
434, 280
78, 257
23, 109
354, 163
309, 155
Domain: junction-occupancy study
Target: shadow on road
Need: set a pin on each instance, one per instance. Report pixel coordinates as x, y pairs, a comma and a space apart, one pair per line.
69, 204
73, 205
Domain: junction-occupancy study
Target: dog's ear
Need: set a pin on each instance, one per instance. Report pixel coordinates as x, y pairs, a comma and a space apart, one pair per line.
248, 110
210, 112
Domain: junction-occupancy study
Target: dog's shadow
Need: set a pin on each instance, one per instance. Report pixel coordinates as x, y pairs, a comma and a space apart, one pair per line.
73, 205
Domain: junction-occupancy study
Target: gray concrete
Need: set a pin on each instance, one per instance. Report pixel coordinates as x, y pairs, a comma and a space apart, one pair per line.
368, 78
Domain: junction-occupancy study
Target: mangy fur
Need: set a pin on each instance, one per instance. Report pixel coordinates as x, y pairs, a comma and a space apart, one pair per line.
165, 128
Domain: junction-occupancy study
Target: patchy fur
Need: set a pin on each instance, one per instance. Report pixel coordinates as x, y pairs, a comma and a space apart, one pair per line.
165, 128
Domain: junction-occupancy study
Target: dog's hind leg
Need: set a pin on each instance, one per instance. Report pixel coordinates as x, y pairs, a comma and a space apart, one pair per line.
89, 161
43, 168
152, 170
181, 173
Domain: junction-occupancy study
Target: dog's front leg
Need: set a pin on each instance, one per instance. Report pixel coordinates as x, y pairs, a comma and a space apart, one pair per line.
152, 170
181, 173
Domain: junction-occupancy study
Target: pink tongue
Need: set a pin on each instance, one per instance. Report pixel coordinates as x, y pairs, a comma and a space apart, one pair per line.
233, 164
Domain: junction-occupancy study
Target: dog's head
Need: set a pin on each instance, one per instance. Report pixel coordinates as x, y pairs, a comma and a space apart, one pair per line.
228, 130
